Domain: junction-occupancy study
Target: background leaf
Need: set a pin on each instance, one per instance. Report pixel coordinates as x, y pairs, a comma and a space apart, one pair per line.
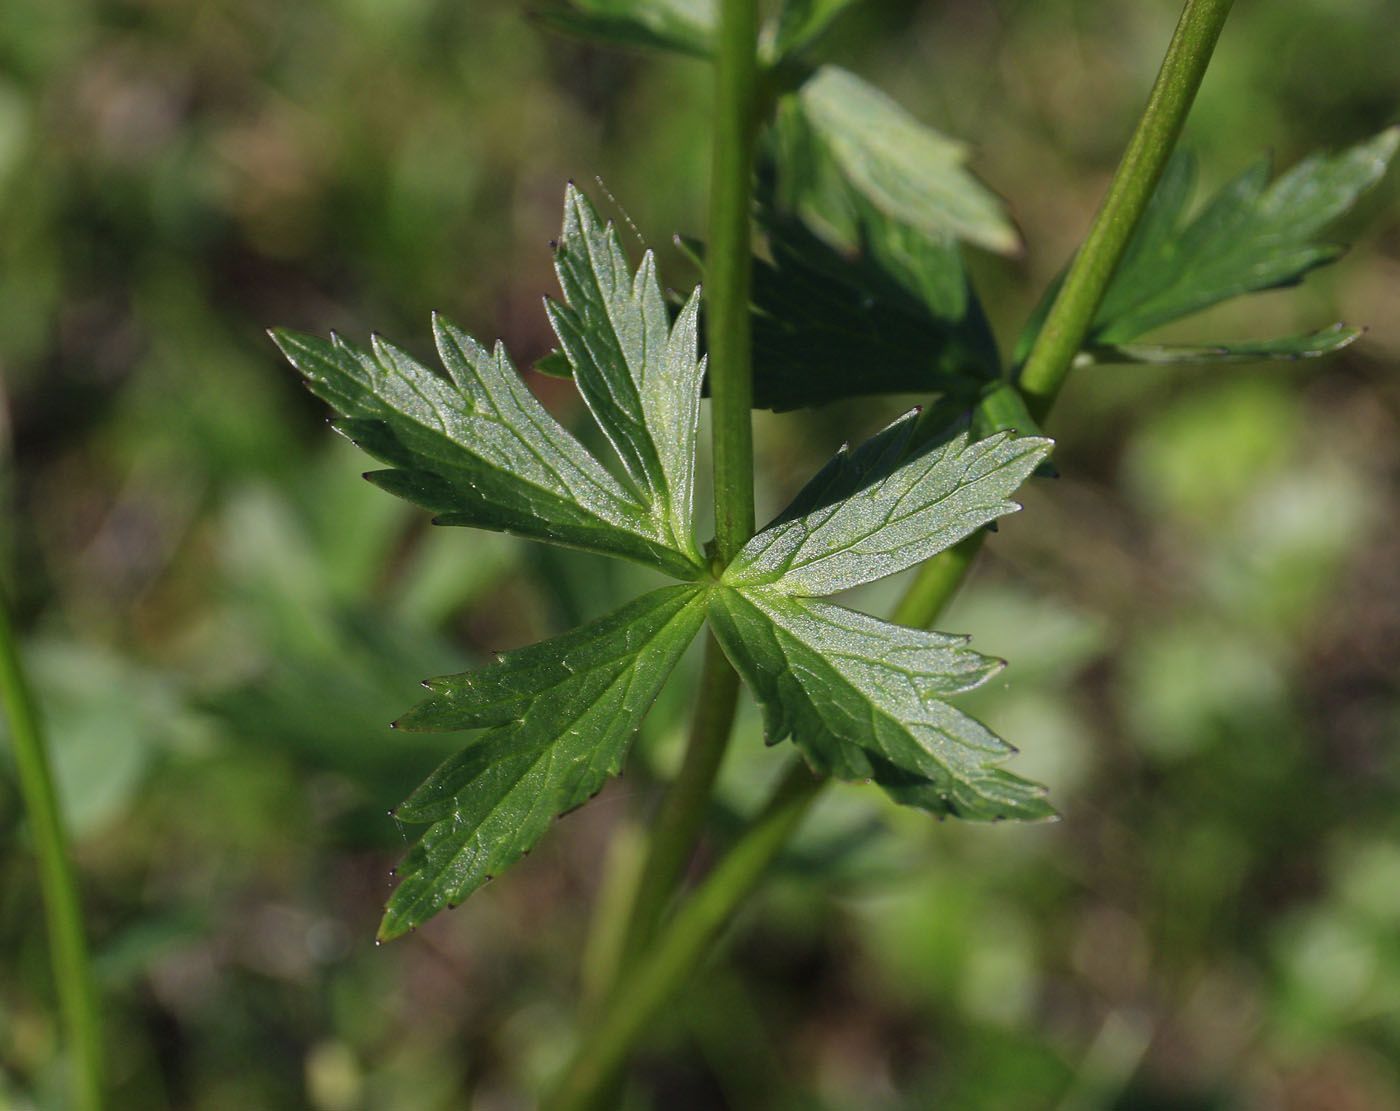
906, 170
1311, 345
1250, 236
684, 26
803, 22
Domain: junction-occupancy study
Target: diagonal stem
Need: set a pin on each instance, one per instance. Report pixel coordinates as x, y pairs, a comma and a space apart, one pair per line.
1072, 315
68, 951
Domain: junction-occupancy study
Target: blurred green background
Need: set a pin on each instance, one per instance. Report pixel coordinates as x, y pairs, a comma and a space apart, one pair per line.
1202, 615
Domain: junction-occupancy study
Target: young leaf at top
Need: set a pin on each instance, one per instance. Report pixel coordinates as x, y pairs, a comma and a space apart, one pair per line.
1250, 236
481, 450
863, 698
683, 26
559, 717
906, 170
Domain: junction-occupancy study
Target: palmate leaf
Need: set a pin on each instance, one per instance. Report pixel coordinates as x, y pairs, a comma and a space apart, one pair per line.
560, 716
1251, 236
863, 698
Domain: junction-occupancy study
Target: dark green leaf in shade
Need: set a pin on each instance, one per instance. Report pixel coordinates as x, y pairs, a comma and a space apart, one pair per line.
1250, 236
480, 449
559, 716
1308, 346
848, 301
829, 326
639, 374
874, 513
682, 26
906, 170
864, 699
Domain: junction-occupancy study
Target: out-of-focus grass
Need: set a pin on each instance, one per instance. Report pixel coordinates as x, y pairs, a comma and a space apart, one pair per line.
1201, 614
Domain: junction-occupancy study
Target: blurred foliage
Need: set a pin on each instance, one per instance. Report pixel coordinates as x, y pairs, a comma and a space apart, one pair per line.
223, 618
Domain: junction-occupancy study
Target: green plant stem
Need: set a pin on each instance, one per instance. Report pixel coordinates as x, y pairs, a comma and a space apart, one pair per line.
72, 970
652, 980
1072, 314
727, 279
683, 807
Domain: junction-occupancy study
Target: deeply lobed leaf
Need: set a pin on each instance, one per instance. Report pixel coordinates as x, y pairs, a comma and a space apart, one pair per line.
480, 450
863, 698
560, 716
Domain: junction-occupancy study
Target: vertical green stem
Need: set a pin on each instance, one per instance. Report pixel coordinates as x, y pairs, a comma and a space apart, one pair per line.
727, 275
77, 993
1072, 314
681, 814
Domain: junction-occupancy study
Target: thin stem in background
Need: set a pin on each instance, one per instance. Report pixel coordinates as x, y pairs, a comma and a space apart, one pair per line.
72, 970
688, 935
681, 814
697, 923
633, 901
1071, 316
